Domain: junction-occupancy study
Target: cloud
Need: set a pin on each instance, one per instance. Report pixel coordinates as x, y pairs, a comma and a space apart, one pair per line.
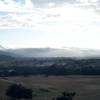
93, 5
61, 22
13, 6
14, 14
34, 13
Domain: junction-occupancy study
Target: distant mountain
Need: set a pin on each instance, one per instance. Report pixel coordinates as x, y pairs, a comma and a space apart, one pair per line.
54, 52
48, 52
5, 55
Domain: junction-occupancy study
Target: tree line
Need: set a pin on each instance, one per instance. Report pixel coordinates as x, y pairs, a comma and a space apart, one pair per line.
50, 66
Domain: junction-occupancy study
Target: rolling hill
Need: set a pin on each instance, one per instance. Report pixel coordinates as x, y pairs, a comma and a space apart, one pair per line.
48, 52
54, 52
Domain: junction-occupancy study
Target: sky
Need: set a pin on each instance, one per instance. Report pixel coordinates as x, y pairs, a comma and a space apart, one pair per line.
50, 23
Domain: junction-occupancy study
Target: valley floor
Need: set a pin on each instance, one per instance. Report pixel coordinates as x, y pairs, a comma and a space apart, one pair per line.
47, 88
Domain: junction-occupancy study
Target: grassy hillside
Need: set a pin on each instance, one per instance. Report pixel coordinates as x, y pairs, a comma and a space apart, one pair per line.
46, 88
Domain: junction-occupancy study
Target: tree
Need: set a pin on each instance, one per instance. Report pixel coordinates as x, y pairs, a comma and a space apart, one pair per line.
17, 92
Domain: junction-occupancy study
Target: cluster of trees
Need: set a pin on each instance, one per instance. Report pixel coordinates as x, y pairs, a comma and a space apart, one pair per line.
49, 66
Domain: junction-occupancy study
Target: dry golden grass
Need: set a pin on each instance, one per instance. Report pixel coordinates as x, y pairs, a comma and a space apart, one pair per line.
46, 88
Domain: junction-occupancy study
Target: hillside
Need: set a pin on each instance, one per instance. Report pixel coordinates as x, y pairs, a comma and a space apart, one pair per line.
49, 66
49, 61
54, 52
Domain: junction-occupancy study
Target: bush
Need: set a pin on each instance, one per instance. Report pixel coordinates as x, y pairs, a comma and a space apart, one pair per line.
66, 96
16, 92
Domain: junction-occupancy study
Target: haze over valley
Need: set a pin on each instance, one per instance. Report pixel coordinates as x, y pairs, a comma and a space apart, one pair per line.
50, 52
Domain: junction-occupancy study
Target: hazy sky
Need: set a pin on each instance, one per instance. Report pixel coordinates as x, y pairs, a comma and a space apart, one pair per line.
50, 23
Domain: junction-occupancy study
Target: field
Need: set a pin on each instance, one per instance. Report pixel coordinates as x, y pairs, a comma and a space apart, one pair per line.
47, 88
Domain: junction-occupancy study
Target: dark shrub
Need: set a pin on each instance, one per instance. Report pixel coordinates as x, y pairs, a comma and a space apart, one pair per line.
66, 96
16, 92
